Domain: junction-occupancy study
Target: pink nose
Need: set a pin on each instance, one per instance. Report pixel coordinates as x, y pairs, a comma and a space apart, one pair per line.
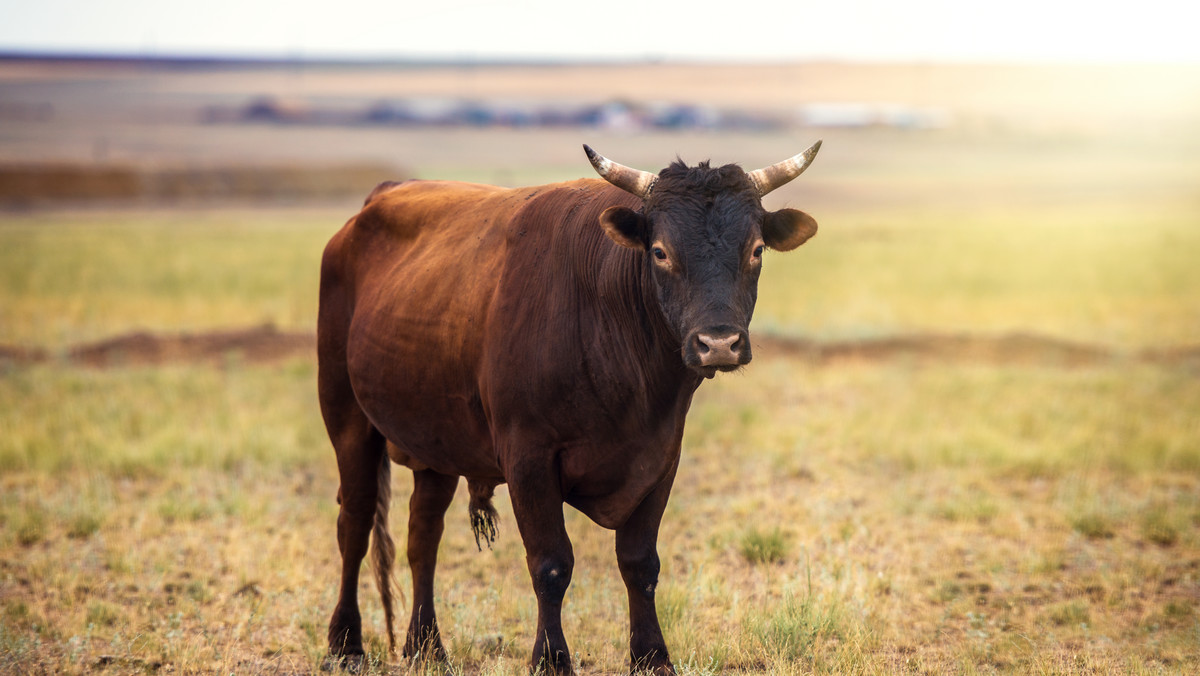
719, 350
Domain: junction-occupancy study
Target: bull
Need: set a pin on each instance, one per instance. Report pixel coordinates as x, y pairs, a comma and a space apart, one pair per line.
550, 338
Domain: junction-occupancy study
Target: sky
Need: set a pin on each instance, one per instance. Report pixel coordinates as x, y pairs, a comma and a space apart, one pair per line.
766, 30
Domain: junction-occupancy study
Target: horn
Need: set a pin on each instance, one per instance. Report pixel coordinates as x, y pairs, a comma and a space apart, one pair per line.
769, 178
630, 180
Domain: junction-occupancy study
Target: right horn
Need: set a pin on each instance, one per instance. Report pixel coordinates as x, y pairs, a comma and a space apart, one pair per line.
769, 178
630, 180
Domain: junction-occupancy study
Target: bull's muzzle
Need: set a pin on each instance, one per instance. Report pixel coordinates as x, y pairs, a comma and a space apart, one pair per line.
721, 348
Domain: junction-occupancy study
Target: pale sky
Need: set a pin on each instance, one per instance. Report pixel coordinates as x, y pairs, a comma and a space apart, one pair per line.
855, 30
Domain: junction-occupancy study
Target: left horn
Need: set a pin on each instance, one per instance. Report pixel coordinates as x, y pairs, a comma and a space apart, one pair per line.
630, 180
769, 178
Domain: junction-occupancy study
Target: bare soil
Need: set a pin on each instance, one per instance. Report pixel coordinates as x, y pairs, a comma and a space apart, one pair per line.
264, 344
255, 345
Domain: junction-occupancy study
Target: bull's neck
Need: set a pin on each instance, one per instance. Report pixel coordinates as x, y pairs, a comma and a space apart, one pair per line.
630, 318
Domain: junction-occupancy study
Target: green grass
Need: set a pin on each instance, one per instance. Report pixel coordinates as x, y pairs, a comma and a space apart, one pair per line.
1106, 273
71, 277
59, 421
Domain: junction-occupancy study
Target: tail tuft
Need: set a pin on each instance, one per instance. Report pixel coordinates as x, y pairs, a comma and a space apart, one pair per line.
484, 518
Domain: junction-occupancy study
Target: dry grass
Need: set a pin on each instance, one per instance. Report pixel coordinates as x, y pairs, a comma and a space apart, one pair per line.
848, 517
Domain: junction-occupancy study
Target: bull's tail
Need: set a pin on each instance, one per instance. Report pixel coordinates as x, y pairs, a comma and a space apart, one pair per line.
483, 514
383, 548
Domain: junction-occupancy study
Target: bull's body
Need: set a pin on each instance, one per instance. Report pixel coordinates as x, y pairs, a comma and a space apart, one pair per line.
500, 335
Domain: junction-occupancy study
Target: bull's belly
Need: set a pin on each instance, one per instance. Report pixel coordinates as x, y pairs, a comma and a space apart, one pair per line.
438, 441
432, 415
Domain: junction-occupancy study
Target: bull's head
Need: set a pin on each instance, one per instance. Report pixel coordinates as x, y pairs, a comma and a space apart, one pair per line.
703, 232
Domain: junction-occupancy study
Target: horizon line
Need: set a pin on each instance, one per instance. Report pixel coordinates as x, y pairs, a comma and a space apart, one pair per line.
233, 59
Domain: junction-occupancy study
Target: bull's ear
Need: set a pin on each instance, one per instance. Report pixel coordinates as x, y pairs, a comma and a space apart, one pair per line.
787, 229
625, 227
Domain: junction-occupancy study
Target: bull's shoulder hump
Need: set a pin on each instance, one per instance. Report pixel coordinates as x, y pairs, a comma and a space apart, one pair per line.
564, 207
412, 207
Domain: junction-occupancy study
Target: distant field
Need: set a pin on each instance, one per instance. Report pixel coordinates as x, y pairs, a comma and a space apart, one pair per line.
867, 511
1119, 278
80, 276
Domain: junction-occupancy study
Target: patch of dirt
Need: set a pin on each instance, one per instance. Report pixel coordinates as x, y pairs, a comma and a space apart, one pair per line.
1014, 348
257, 344
267, 343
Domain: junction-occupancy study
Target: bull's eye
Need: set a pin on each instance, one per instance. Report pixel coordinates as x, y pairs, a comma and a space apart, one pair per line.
659, 253
758, 251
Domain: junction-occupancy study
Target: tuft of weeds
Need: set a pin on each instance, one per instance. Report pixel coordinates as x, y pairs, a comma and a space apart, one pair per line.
976, 506
1048, 561
792, 629
31, 527
948, 591
83, 525
103, 614
764, 547
1178, 612
1158, 526
176, 507
1069, 614
1094, 524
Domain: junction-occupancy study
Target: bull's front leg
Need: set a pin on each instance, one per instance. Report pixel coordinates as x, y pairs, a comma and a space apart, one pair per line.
637, 557
538, 507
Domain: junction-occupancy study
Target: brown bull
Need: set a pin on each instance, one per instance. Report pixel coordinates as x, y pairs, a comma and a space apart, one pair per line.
549, 338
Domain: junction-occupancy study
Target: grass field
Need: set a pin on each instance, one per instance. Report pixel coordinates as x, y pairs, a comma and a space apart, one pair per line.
857, 514
839, 518
854, 515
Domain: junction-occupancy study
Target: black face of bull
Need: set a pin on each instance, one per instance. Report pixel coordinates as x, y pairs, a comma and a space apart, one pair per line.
703, 232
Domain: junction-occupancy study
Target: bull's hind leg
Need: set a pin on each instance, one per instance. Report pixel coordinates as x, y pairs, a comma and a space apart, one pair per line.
360, 449
432, 494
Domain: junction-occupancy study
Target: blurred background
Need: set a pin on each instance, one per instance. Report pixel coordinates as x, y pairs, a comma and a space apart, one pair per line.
1026, 114
128, 94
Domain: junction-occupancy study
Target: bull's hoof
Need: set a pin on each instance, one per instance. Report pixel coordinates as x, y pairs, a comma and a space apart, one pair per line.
652, 665
350, 664
427, 650
547, 667
664, 669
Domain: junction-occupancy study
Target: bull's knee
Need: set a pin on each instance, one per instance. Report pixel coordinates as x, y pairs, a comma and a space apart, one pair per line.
640, 572
551, 579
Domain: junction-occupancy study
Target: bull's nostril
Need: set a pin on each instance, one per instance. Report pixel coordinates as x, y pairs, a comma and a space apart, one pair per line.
718, 350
